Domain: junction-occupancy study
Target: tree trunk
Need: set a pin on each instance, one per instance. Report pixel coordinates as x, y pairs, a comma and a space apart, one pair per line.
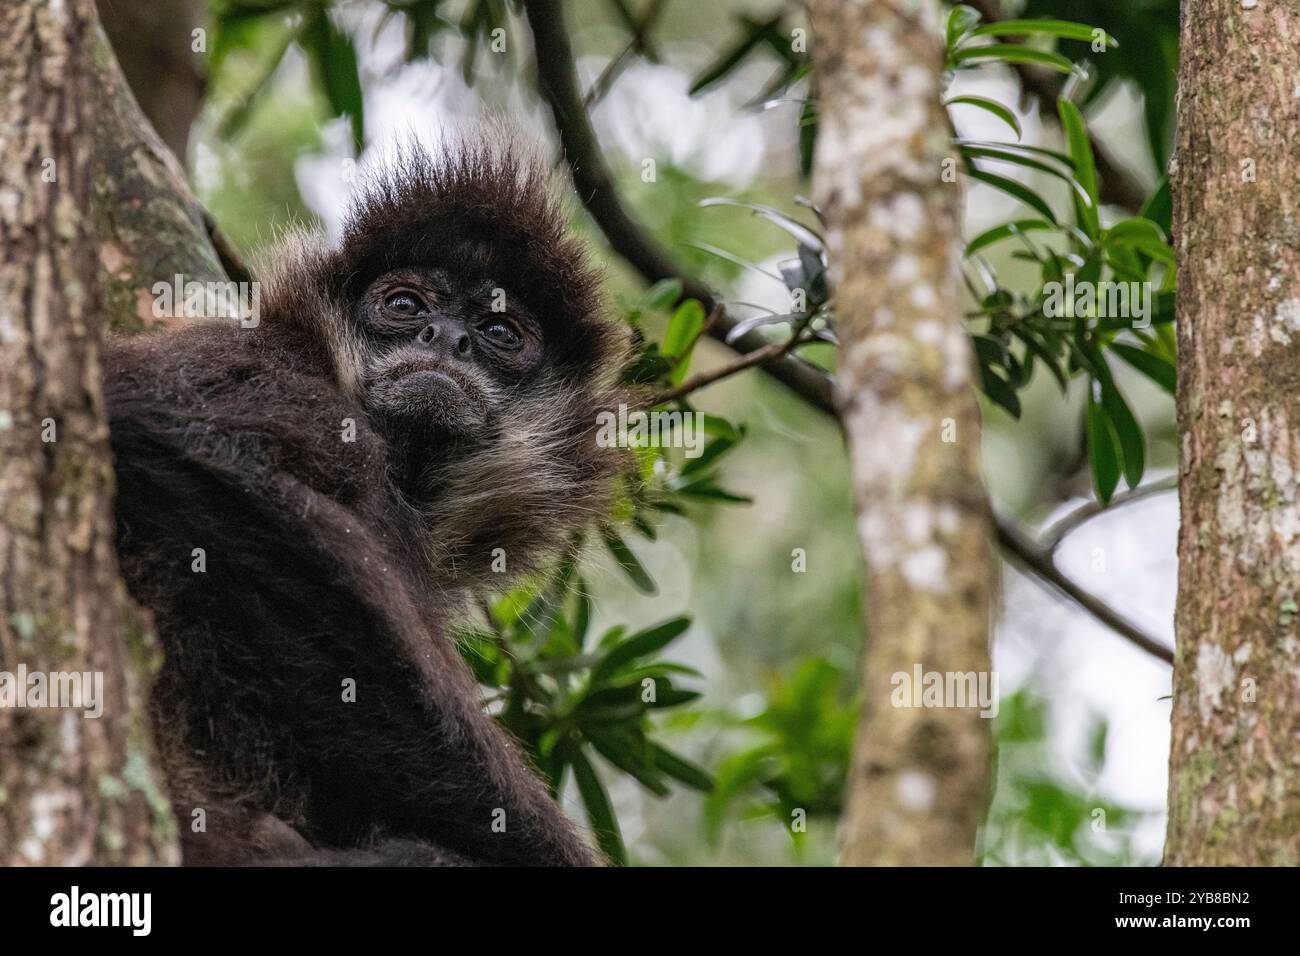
919, 782
73, 788
1234, 772
154, 41
148, 226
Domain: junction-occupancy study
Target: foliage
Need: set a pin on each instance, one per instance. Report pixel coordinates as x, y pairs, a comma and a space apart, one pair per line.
1040, 817
799, 756
1088, 269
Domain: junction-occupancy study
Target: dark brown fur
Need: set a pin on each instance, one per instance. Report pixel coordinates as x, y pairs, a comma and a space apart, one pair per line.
322, 565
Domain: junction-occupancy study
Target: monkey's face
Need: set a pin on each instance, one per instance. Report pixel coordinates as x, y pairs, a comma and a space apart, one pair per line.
444, 352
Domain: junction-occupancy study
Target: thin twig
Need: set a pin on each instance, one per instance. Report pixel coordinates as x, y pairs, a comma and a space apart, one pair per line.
1056, 532
767, 353
1039, 562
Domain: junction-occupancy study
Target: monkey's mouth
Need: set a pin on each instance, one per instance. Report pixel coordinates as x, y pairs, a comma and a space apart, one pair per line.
422, 392
431, 374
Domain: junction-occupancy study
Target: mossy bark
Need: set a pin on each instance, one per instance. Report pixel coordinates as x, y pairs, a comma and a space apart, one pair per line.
73, 789
1234, 766
147, 225
919, 782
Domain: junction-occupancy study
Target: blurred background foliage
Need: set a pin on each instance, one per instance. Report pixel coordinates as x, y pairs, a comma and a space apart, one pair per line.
687, 680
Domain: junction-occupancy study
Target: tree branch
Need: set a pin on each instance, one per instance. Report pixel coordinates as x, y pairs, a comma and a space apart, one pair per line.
148, 225
634, 244
768, 353
1038, 561
1055, 533
595, 186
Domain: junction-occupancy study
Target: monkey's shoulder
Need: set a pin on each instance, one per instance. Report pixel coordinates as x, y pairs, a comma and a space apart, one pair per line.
251, 405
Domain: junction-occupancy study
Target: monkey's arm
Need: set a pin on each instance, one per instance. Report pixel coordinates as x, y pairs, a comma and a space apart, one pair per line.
300, 674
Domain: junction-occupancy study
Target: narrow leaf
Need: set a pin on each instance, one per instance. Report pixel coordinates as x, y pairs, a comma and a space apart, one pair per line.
599, 810
1013, 188
1102, 452
1014, 53
629, 562
681, 769
1064, 29
990, 106
1085, 168
1155, 367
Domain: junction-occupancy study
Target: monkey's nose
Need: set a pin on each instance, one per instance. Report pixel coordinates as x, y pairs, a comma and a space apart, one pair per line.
447, 337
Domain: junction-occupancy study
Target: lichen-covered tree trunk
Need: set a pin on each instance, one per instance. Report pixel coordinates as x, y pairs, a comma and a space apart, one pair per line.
1234, 766
919, 783
74, 788
148, 226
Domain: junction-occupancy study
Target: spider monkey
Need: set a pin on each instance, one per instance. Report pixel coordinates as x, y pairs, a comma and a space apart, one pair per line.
306, 506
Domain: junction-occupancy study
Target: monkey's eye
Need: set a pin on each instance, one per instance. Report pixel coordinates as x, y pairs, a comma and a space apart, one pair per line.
502, 333
404, 303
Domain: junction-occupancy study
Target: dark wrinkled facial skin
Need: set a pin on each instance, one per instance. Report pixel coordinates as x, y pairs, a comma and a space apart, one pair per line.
444, 351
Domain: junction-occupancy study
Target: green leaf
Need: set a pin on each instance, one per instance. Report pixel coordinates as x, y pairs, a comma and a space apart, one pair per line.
629, 562
1125, 424
622, 750
610, 705
1011, 156
961, 20
730, 60
639, 645
681, 769
1013, 188
1141, 235
991, 106
664, 294
1006, 231
731, 257
708, 490
988, 350
1085, 167
712, 452
1044, 354
599, 810
683, 329
1064, 29
1013, 53
1103, 455
582, 615
336, 61
1159, 208
1155, 367
999, 391
1055, 154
